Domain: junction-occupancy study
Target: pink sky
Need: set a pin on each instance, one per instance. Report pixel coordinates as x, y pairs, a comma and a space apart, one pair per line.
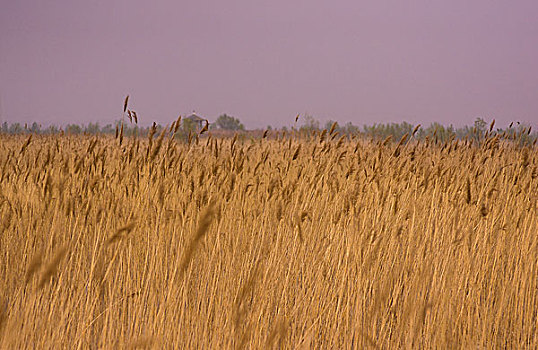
265, 61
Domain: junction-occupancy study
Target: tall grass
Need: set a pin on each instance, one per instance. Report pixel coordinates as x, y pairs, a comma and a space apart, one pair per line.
326, 242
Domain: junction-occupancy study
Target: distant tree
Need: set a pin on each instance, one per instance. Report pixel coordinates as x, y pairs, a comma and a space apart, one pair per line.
349, 128
35, 128
309, 124
73, 129
521, 134
479, 128
227, 122
480, 125
440, 132
188, 125
15, 128
395, 130
92, 128
329, 125
108, 129
53, 129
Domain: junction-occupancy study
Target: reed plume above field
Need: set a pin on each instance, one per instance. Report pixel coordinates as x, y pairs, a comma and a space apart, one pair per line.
316, 240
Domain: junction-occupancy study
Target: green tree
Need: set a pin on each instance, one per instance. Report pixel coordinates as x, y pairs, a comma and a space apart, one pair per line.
52, 129
188, 127
349, 128
73, 129
15, 128
227, 122
329, 125
35, 128
309, 124
108, 129
480, 125
92, 128
480, 128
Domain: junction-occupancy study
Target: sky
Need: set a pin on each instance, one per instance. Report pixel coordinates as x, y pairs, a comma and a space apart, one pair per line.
264, 62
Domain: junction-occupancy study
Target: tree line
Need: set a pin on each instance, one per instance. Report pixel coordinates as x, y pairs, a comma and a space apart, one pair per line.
306, 126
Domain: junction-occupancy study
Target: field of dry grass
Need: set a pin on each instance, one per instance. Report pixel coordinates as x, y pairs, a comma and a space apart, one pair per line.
284, 243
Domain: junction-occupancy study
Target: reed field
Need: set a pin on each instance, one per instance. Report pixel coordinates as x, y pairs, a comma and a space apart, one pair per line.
313, 242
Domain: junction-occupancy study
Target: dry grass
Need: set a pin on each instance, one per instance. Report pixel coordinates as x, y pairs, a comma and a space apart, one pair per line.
283, 243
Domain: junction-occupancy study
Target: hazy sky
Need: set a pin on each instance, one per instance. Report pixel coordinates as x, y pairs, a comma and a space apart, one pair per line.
265, 61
